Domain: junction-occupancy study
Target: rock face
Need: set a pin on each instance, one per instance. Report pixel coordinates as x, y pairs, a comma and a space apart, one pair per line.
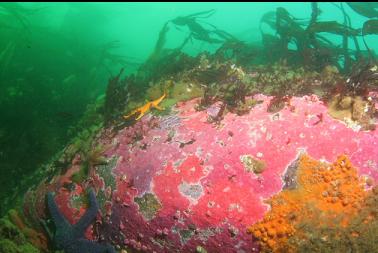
177, 183
329, 202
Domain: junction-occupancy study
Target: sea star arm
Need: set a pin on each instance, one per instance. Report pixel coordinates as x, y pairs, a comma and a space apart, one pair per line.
58, 218
130, 114
89, 215
140, 116
93, 247
158, 107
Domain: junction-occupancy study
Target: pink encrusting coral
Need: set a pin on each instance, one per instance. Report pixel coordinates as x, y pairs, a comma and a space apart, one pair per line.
184, 182
199, 179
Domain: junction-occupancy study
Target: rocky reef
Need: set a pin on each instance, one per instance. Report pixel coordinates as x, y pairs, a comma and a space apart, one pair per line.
179, 183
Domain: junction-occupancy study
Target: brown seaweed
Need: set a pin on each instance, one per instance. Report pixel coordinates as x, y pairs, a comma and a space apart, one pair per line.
367, 9
370, 27
333, 27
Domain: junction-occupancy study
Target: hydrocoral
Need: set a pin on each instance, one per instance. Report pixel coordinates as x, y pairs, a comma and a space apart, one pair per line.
327, 203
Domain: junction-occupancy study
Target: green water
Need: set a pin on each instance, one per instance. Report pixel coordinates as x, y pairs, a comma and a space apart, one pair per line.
57, 58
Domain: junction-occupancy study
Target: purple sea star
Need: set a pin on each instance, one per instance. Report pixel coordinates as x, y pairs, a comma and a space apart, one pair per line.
70, 238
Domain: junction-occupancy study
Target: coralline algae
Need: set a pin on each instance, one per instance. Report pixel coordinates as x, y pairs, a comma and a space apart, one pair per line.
183, 185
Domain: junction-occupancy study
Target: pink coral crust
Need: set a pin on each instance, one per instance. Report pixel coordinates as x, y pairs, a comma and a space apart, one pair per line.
203, 193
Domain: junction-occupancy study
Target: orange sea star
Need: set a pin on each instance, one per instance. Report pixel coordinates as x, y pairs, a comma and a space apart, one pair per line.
145, 108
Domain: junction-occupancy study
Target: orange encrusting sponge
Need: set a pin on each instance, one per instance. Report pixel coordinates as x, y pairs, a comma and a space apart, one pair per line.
331, 190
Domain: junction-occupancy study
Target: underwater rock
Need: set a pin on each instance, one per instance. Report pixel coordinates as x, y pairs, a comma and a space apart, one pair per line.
14, 239
158, 195
37, 239
357, 112
330, 201
252, 165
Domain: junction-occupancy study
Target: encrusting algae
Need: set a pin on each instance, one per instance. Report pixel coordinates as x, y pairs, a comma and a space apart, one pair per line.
330, 196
